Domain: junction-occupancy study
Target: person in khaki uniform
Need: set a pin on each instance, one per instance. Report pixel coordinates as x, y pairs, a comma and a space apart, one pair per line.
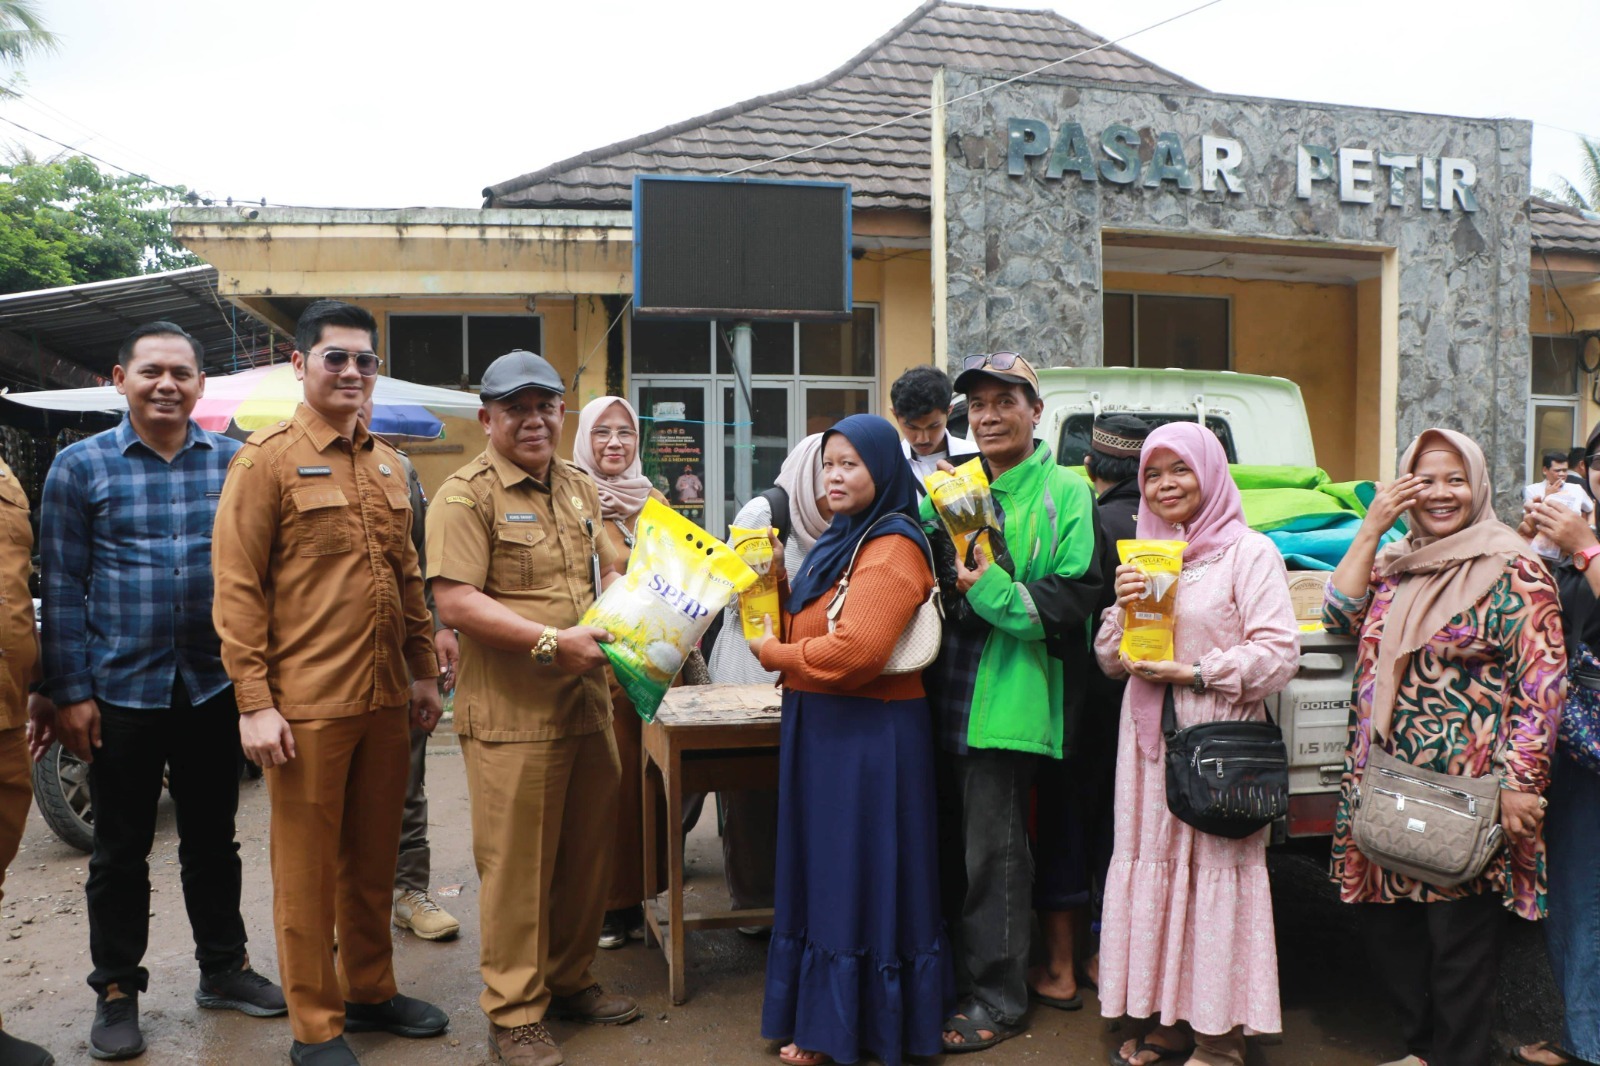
319, 605
515, 553
27, 719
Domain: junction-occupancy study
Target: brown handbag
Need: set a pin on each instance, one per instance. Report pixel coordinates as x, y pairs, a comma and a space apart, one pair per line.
1437, 828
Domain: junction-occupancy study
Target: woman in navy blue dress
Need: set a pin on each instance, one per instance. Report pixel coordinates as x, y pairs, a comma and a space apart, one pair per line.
859, 963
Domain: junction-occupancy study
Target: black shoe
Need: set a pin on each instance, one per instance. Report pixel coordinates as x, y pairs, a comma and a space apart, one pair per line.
115, 1033
613, 931
402, 1016
242, 990
633, 919
14, 1052
333, 1052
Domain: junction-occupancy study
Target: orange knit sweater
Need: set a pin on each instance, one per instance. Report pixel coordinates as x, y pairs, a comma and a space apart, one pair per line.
891, 580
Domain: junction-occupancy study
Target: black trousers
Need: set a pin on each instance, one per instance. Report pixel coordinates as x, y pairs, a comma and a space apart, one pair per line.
198, 747
1439, 962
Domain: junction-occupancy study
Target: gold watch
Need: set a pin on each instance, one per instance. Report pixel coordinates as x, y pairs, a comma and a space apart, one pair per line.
544, 649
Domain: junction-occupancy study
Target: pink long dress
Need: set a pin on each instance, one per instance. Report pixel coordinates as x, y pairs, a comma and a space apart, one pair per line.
1187, 931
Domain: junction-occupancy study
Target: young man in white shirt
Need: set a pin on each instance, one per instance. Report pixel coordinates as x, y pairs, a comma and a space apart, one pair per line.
921, 401
1555, 487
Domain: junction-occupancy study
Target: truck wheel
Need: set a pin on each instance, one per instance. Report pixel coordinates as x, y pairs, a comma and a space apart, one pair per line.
61, 788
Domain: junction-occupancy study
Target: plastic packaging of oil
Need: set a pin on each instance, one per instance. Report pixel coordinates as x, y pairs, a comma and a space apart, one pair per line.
965, 506
754, 547
679, 576
1148, 621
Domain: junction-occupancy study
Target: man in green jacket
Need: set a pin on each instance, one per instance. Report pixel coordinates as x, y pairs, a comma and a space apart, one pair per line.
1016, 643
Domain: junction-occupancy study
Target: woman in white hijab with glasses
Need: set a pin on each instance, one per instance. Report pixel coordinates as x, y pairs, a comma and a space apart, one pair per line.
750, 819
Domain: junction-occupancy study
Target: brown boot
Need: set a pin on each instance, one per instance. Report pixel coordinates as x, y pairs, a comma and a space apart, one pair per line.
524, 1045
594, 1006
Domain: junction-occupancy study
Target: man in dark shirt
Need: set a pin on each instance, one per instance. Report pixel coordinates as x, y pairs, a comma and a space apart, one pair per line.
134, 665
1074, 794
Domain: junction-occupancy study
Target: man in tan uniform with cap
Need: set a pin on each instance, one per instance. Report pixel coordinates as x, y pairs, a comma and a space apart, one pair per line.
515, 556
319, 606
19, 672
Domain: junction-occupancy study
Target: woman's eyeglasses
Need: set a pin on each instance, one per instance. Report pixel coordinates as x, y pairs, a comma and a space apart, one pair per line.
603, 435
994, 361
336, 359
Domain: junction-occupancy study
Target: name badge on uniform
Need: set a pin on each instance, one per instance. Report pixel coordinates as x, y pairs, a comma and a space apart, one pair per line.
214, 495
525, 516
315, 471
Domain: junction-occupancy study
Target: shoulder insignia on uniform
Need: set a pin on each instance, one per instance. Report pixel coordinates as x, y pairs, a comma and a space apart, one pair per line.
244, 461
465, 501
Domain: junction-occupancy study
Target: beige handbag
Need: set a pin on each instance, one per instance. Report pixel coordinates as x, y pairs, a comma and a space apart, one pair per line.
1438, 828
918, 646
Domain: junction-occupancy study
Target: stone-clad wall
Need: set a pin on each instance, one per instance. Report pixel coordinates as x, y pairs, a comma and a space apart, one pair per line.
1023, 262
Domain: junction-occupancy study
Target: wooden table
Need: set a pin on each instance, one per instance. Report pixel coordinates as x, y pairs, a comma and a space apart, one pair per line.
706, 738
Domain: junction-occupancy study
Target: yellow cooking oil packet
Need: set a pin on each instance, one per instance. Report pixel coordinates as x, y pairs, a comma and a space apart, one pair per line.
679, 576
965, 506
1148, 621
754, 547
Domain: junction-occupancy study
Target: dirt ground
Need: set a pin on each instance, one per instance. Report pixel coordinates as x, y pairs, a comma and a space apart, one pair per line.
1333, 1014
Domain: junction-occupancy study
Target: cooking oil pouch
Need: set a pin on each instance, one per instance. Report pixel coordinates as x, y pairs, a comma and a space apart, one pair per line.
965, 506
1147, 627
754, 548
679, 576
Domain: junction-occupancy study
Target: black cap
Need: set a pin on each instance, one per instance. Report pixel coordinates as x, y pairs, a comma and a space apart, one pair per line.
518, 370
1119, 436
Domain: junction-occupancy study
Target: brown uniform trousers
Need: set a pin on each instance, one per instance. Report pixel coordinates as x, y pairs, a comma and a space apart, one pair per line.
320, 608
19, 656
542, 768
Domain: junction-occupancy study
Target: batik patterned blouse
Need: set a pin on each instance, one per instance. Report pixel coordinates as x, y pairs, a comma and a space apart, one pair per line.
1484, 695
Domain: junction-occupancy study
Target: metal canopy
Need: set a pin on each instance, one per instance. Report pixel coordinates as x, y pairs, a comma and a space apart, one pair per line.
85, 324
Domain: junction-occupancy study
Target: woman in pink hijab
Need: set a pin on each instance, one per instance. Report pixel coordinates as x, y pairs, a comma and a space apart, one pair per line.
1187, 937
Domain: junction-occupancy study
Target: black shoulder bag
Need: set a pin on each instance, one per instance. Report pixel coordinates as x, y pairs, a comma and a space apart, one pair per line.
1225, 778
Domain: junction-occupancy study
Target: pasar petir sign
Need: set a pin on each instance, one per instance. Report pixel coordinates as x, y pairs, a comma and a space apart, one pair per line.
1358, 175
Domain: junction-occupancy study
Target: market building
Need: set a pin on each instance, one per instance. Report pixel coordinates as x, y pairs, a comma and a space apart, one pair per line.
1391, 264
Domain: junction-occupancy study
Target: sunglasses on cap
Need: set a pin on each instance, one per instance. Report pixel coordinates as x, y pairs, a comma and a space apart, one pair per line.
994, 361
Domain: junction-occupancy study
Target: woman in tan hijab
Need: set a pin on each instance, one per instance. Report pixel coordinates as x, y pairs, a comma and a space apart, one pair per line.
1461, 667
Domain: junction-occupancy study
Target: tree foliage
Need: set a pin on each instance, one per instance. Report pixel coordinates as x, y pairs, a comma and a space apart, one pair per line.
1584, 194
22, 33
65, 221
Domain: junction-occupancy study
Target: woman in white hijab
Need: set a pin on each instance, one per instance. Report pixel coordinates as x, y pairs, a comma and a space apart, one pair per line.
750, 819
607, 449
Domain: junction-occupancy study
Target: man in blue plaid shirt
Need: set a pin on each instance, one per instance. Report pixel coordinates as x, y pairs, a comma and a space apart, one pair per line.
133, 663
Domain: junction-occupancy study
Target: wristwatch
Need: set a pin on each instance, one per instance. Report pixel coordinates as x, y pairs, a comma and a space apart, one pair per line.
544, 649
1582, 559
1198, 685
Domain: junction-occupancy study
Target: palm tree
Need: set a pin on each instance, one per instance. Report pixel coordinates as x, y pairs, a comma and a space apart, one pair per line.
22, 34
1586, 195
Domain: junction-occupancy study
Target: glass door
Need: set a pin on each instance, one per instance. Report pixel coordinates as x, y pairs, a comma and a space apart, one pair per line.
771, 406
677, 441
827, 403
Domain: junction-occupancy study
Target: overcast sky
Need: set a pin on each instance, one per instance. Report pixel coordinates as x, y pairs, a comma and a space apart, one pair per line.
381, 104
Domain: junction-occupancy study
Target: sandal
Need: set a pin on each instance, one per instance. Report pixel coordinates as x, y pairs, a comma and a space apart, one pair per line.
967, 1022
1162, 1054
1541, 1045
1058, 1002
801, 1057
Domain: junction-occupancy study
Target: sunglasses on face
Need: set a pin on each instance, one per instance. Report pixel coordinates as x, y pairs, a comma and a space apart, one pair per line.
336, 359
995, 361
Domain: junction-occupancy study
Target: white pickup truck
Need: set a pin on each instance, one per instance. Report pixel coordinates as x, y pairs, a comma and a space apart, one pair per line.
1260, 420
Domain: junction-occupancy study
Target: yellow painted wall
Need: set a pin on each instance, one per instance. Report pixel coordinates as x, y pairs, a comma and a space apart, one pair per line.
1548, 315
1306, 333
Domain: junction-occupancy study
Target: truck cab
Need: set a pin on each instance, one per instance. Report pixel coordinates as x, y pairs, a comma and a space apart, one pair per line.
1260, 421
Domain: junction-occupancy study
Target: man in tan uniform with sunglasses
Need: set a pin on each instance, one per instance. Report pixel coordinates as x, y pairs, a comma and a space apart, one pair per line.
319, 605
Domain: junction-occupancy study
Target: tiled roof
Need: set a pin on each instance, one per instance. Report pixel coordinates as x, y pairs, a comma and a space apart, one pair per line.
887, 168
1559, 228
